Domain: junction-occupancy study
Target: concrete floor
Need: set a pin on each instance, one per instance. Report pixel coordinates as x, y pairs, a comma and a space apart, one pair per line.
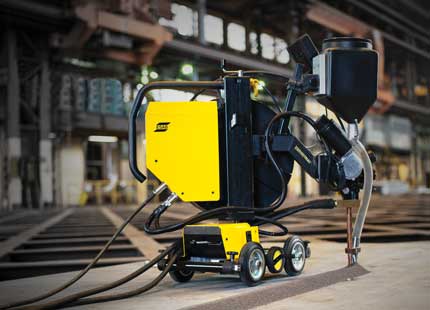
34, 243
399, 278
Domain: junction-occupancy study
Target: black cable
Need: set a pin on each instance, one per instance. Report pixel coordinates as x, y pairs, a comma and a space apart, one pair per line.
67, 300
269, 153
89, 266
157, 221
199, 217
145, 288
283, 232
316, 204
267, 134
286, 114
275, 101
289, 100
340, 122
309, 120
194, 97
205, 215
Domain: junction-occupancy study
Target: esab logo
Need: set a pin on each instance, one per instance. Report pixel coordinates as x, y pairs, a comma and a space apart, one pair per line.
162, 126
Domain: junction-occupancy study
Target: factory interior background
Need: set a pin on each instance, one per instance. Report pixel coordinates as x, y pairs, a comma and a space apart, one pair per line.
66, 93
70, 70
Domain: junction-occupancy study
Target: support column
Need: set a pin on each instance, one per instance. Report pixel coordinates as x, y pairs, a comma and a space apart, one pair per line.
201, 11
70, 172
45, 144
3, 166
3, 116
411, 75
13, 123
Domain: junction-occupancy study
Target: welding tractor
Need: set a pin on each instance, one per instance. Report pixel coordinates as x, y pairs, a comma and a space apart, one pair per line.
233, 157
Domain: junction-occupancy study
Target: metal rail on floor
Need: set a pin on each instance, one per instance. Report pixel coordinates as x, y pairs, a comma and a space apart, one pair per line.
48, 242
37, 243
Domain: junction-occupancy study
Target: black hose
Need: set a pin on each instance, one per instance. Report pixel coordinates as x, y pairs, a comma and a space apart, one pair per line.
157, 222
301, 115
199, 217
74, 297
307, 119
267, 134
145, 288
275, 101
278, 169
340, 122
265, 220
194, 97
205, 215
89, 266
316, 204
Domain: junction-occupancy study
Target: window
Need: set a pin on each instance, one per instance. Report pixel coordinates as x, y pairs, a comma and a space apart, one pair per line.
184, 20
281, 52
214, 29
127, 92
267, 46
94, 161
253, 42
236, 36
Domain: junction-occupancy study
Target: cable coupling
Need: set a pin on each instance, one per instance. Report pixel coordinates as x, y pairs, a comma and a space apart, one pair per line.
166, 204
159, 189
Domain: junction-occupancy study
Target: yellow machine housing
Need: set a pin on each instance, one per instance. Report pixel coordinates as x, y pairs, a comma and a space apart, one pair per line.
209, 240
182, 148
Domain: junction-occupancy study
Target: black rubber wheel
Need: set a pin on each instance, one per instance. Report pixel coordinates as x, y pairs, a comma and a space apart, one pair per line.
275, 259
252, 263
181, 275
295, 252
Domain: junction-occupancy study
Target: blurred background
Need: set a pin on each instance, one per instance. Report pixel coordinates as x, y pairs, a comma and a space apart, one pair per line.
69, 71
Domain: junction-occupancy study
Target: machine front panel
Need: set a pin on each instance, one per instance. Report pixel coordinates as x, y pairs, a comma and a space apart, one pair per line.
182, 148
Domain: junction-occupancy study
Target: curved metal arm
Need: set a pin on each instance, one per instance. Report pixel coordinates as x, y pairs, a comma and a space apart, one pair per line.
132, 144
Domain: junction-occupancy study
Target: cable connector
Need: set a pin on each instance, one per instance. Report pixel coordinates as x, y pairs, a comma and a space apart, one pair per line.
171, 199
159, 189
166, 204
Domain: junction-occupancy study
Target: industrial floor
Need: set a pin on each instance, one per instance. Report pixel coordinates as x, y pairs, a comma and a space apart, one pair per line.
395, 276
394, 270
